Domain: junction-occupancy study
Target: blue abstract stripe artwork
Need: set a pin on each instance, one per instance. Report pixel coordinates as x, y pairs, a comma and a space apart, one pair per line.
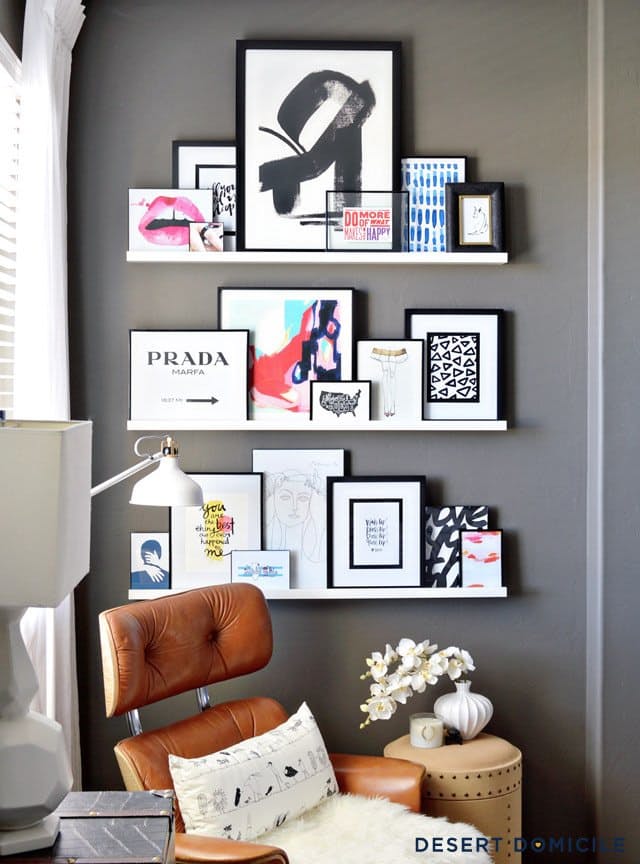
424, 179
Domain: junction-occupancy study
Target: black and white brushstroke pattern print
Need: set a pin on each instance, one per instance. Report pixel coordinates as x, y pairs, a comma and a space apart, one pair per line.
442, 537
453, 367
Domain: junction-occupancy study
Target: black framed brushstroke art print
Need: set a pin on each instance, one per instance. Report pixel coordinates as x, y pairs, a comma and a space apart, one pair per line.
311, 117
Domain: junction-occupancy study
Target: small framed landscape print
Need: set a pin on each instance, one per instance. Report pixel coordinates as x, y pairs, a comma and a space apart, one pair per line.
159, 219
462, 362
366, 221
425, 179
297, 335
395, 368
311, 116
339, 401
444, 526
375, 535
268, 570
209, 165
149, 560
203, 538
481, 558
188, 374
475, 217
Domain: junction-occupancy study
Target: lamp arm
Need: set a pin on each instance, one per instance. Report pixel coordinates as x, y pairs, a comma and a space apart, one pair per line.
129, 472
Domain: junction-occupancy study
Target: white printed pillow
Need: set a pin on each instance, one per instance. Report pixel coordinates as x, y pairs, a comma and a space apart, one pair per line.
256, 785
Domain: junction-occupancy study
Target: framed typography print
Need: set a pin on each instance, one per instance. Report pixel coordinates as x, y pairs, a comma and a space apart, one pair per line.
195, 375
209, 165
311, 117
444, 526
295, 507
375, 532
203, 538
475, 217
395, 369
462, 362
297, 335
341, 401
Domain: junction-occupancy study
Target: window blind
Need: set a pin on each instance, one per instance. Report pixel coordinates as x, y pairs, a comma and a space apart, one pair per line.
9, 125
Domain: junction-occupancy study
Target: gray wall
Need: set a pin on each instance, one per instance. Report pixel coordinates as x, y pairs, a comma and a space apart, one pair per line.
506, 84
11, 20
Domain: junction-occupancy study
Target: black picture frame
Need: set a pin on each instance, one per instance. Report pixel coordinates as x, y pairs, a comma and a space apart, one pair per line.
282, 181
353, 562
463, 362
467, 232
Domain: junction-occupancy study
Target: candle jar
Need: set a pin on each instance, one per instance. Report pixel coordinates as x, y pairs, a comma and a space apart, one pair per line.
426, 730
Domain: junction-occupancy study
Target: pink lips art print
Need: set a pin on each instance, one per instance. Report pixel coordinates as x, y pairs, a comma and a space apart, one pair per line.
161, 217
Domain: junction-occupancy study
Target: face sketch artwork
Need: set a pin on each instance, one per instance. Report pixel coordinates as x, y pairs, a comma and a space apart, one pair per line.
293, 499
340, 143
389, 360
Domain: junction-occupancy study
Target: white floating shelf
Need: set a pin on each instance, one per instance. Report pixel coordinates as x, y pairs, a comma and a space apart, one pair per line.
309, 426
352, 593
320, 257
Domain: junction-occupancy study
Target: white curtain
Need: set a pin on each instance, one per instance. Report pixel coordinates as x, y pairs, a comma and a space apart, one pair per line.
41, 345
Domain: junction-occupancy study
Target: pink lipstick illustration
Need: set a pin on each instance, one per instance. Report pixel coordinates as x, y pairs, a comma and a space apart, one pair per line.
166, 222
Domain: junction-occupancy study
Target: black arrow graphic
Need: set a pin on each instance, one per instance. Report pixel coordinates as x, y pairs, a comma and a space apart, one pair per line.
212, 400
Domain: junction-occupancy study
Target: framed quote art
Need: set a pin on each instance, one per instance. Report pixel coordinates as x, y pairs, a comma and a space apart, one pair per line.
311, 117
375, 532
195, 375
297, 335
462, 362
203, 538
209, 165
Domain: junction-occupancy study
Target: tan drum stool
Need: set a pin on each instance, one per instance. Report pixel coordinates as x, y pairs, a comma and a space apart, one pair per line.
477, 782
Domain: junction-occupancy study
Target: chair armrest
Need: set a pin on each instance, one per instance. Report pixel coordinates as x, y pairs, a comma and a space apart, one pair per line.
396, 779
196, 849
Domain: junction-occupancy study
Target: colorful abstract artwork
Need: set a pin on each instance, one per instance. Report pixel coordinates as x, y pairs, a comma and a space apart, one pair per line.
481, 557
442, 536
297, 335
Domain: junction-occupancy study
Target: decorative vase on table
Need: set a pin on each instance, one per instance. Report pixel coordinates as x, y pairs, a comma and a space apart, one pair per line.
467, 712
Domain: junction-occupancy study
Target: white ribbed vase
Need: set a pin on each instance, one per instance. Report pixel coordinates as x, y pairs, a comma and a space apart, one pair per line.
467, 712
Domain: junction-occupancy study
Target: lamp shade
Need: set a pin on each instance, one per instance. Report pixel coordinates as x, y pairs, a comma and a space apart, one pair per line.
45, 510
167, 486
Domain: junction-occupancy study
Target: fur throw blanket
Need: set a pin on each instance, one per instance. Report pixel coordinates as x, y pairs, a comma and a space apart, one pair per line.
350, 829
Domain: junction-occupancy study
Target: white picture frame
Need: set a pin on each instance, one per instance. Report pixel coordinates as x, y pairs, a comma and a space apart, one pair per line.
481, 559
395, 368
268, 569
150, 561
159, 219
340, 402
295, 507
198, 375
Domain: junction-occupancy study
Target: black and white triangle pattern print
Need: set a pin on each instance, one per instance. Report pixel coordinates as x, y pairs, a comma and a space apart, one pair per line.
453, 367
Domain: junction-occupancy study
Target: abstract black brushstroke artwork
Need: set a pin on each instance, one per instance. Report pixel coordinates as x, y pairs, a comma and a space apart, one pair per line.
442, 541
311, 117
453, 364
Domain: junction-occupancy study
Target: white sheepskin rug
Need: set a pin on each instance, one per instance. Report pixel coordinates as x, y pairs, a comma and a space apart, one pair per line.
350, 829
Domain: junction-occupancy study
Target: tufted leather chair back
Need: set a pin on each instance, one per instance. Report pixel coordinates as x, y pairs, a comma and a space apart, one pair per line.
159, 648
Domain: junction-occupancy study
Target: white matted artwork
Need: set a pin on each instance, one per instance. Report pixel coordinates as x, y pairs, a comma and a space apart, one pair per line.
340, 401
295, 507
159, 219
395, 369
188, 374
268, 569
203, 538
149, 560
481, 559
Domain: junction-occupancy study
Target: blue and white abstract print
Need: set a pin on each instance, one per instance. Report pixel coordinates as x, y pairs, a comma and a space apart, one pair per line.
424, 179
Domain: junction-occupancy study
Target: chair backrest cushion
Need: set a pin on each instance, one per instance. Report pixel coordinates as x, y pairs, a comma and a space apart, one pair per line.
157, 648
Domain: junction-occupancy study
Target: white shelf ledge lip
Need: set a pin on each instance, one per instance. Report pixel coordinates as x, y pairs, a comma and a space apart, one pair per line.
351, 593
277, 257
310, 426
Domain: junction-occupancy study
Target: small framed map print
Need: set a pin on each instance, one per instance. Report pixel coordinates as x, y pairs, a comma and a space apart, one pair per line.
340, 402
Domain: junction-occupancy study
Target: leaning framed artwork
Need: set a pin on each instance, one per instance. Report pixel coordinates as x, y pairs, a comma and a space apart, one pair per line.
203, 538
375, 532
395, 369
340, 402
297, 335
462, 362
311, 117
209, 165
444, 526
475, 217
198, 375
149, 560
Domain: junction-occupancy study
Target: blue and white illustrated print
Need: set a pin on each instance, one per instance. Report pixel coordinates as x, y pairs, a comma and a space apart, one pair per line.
424, 179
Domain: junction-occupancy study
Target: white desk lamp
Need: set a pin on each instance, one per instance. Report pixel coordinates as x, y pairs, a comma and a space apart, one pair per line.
45, 517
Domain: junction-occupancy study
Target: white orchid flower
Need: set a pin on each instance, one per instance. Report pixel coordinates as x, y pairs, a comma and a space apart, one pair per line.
410, 654
381, 708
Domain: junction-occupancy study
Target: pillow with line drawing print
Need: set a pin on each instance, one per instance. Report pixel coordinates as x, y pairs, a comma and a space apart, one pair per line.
258, 784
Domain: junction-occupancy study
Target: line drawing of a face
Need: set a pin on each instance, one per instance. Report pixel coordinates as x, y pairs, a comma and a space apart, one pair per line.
292, 500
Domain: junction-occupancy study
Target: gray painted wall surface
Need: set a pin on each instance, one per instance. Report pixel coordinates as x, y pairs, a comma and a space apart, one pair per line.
11, 20
503, 83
